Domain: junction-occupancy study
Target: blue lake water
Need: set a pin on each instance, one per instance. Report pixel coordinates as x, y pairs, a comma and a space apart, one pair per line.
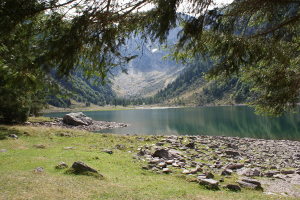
222, 120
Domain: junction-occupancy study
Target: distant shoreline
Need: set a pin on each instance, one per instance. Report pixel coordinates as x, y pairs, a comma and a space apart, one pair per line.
53, 109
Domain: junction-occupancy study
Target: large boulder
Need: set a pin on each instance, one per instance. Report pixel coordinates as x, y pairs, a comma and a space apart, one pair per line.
80, 167
77, 119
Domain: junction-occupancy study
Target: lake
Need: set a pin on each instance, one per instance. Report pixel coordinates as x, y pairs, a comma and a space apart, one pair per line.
238, 121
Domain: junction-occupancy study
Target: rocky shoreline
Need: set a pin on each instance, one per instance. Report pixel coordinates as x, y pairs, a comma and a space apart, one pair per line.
94, 126
269, 165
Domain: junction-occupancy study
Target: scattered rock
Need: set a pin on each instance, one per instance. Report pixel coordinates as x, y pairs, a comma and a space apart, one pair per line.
77, 119
120, 147
69, 148
190, 145
235, 166
162, 153
39, 146
232, 153
166, 170
251, 172
209, 175
81, 167
250, 183
226, 172
247, 185
61, 165
233, 187
14, 136
287, 172
38, 170
108, 151
209, 183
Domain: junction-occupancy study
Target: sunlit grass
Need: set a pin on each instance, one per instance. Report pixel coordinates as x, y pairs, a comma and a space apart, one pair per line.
123, 176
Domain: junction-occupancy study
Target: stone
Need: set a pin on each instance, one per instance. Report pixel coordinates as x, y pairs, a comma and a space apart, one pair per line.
61, 165
209, 183
38, 170
185, 171
159, 143
14, 136
77, 119
162, 153
253, 182
39, 146
190, 145
166, 170
233, 187
248, 185
251, 172
120, 146
232, 153
80, 167
69, 148
209, 175
162, 164
170, 162
271, 173
226, 172
235, 166
108, 151
3, 150
286, 172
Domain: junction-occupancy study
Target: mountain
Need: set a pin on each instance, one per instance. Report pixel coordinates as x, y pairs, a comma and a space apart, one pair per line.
191, 88
150, 71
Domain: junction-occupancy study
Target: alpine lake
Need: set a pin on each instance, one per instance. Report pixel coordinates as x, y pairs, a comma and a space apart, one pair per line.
234, 121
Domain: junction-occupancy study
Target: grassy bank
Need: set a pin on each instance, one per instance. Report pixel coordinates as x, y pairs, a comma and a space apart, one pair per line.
123, 176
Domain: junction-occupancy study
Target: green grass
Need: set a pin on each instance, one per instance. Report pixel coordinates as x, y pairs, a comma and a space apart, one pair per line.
123, 176
40, 119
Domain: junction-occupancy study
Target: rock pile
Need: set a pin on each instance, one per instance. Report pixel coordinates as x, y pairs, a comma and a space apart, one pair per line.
79, 121
206, 156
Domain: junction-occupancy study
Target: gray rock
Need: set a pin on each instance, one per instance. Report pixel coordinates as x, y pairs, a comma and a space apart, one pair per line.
251, 172
226, 172
77, 119
120, 146
38, 170
61, 165
209, 175
80, 167
249, 185
232, 153
209, 183
162, 153
14, 136
166, 170
185, 171
252, 181
235, 166
3, 150
271, 173
233, 187
287, 172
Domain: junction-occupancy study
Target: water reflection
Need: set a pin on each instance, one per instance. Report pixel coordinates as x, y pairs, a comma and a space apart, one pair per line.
228, 121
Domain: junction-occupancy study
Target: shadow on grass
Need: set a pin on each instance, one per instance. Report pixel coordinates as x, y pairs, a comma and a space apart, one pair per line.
5, 132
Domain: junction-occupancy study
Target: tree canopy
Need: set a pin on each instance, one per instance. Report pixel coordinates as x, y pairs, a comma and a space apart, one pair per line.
257, 40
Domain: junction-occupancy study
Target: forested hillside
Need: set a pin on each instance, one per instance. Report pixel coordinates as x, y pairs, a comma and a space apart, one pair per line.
82, 90
191, 88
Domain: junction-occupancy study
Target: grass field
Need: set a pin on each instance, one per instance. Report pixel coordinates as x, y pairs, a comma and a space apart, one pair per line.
123, 176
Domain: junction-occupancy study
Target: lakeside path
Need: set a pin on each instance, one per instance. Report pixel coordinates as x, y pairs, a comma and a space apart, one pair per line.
27, 165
